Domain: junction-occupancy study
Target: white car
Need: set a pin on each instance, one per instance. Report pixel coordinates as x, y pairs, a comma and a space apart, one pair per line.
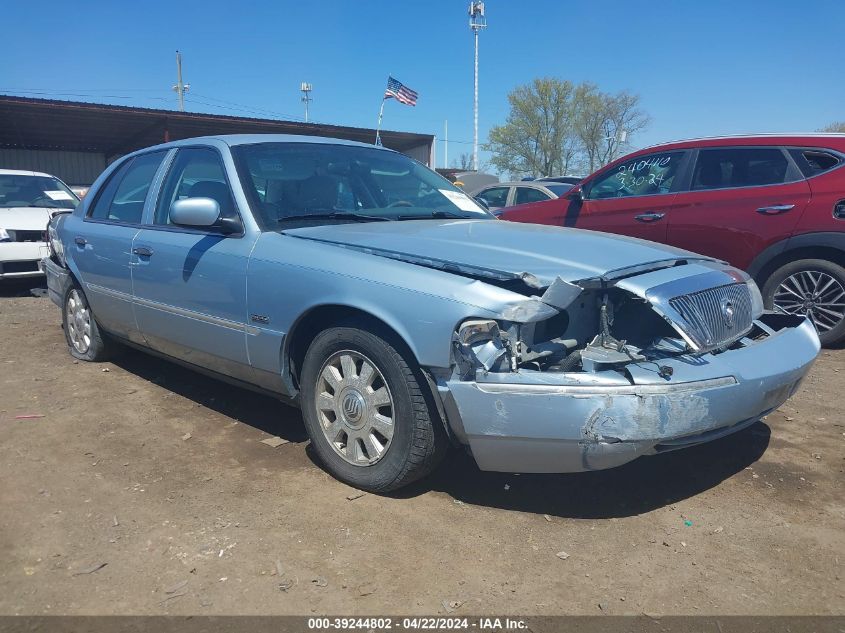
500, 195
27, 201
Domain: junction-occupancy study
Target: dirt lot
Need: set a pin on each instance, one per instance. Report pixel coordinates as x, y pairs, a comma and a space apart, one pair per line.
160, 474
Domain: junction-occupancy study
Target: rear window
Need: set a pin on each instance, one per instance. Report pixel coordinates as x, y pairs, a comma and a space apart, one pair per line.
812, 162
740, 167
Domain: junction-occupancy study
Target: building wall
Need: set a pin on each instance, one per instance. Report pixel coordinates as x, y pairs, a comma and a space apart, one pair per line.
421, 153
75, 168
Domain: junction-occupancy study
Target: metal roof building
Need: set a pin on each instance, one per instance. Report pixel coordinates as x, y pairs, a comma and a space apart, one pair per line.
76, 140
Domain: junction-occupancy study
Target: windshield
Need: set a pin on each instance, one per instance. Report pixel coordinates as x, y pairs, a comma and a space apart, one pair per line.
291, 184
35, 191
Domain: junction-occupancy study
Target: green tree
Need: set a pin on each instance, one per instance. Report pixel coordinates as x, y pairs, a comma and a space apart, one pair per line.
555, 127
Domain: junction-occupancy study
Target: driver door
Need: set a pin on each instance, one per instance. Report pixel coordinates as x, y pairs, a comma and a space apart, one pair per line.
633, 198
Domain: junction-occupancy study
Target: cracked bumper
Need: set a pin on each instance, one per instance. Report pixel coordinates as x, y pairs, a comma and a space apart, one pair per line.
544, 422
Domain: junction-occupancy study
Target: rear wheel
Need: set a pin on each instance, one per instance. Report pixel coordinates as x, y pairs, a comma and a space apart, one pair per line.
814, 288
84, 339
367, 417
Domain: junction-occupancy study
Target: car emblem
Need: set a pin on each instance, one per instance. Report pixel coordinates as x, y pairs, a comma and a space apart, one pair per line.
353, 406
728, 312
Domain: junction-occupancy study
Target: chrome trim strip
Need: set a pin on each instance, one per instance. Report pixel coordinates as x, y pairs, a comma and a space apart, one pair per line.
190, 314
163, 307
593, 390
114, 294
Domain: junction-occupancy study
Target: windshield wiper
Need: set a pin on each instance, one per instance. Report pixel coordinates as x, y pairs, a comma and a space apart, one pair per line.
336, 215
436, 213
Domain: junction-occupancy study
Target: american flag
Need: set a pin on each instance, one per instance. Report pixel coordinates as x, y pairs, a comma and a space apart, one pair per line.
399, 91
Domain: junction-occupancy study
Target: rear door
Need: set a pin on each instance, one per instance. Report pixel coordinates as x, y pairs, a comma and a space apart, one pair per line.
190, 284
633, 198
101, 242
738, 201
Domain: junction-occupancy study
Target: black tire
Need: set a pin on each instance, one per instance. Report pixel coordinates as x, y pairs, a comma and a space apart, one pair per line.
829, 334
419, 440
98, 347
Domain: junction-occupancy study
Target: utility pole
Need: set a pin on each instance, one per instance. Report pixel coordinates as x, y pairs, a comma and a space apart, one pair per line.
180, 88
477, 21
446, 144
306, 96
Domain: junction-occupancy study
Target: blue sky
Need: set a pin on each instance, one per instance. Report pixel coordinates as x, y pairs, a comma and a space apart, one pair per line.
701, 68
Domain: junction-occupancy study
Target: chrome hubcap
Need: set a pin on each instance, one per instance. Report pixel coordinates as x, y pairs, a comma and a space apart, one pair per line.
815, 294
78, 322
355, 408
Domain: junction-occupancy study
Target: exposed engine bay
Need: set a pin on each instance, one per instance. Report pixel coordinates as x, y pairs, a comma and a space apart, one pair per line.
596, 325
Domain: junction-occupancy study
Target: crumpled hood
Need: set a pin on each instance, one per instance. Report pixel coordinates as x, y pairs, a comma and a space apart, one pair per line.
24, 218
511, 248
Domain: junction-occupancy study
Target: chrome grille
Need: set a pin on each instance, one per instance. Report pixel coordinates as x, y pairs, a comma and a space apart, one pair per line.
716, 316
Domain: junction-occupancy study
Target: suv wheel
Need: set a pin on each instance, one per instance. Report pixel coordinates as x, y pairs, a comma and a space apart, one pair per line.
84, 338
365, 413
811, 287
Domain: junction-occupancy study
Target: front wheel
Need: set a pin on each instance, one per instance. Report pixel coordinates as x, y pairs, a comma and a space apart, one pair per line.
814, 288
368, 420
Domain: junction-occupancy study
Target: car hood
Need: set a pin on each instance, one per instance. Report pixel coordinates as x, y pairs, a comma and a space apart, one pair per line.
25, 218
537, 254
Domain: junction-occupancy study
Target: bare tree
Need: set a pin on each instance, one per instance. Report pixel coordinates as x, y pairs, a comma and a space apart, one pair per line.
836, 126
606, 122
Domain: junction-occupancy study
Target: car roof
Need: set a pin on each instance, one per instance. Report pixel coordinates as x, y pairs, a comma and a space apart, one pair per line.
519, 183
22, 172
818, 139
233, 140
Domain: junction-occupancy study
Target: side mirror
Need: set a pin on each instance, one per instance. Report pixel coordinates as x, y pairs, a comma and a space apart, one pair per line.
198, 212
482, 202
576, 193
202, 213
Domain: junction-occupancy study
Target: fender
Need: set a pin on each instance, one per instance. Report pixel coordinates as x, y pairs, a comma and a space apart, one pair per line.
830, 239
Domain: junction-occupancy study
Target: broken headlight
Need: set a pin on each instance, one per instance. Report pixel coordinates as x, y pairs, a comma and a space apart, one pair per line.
480, 343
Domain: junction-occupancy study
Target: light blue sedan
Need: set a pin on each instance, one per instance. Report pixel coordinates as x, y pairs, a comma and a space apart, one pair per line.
402, 317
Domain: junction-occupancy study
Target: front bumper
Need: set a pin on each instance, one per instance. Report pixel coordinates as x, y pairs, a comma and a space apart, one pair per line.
556, 422
19, 260
58, 280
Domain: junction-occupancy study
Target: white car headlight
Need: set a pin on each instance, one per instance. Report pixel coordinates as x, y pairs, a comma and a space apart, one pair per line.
4, 236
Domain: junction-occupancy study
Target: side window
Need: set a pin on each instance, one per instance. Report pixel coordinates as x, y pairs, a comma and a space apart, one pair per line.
739, 167
496, 197
197, 172
122, 198
812, 162
529, 194
643, 176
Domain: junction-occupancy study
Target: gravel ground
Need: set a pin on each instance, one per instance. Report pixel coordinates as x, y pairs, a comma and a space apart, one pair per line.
144, 488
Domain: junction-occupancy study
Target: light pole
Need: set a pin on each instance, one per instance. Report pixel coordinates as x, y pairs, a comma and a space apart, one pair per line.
477, 21
306, 96
180, 88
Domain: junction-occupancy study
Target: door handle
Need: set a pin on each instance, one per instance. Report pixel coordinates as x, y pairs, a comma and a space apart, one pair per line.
142, 251
651, 216
80, 241
775, 209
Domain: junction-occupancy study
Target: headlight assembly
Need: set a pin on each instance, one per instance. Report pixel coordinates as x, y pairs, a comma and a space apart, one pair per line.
4, 236
756, 299
480, 344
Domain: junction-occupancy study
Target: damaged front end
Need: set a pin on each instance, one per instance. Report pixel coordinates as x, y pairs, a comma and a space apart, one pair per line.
591, 374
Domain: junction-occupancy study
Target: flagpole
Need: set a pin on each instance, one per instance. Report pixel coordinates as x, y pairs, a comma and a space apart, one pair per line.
380, 114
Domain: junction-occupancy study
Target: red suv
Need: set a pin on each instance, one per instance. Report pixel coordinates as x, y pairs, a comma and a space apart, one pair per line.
772, 205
